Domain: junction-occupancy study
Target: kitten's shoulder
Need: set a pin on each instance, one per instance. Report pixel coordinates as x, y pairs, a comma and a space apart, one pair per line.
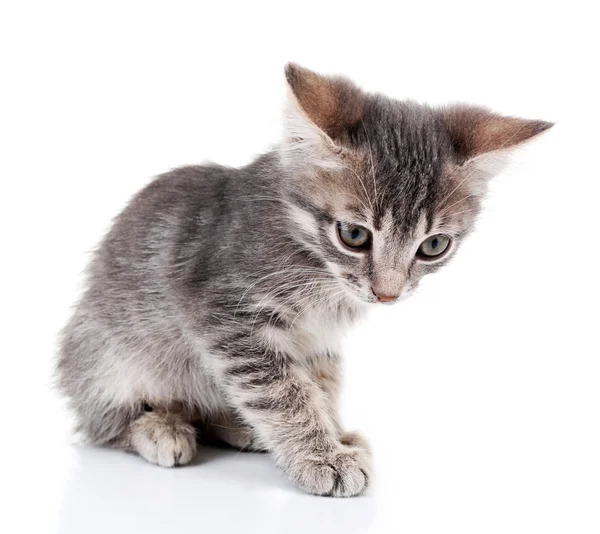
192, 178
212, 181
182, 189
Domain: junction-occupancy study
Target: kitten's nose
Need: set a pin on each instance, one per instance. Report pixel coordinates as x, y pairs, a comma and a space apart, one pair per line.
384, 298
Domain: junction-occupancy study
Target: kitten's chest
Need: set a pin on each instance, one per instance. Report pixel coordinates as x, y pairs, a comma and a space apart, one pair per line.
320, 332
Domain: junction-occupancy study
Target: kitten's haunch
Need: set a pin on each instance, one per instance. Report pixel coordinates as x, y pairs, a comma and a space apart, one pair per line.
215, 305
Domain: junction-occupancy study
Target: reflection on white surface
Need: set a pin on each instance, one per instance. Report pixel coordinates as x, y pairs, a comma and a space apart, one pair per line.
113, 492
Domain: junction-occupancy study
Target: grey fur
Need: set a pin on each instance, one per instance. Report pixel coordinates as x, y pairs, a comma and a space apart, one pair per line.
219, 296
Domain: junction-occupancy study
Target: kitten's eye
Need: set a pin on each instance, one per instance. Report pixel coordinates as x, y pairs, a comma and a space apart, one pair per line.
354, 236
434, 247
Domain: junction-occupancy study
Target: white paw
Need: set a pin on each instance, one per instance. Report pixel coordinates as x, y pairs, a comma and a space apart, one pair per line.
343, 473
164, 439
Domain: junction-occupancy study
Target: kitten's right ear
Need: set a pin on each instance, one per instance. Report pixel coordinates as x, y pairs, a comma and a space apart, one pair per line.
319, 112
477, 132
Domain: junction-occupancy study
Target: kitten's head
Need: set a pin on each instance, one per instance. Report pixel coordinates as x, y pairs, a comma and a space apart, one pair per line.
384, 191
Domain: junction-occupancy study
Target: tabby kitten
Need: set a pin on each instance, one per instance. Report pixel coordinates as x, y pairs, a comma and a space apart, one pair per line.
216, 303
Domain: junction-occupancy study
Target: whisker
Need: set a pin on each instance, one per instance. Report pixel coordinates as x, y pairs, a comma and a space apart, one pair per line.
380, 205
363, 186
459, 201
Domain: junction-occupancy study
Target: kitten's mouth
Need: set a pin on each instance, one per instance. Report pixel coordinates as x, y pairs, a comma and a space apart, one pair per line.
357, 296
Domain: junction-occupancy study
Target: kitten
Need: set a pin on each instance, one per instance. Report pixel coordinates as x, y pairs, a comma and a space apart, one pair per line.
216, 303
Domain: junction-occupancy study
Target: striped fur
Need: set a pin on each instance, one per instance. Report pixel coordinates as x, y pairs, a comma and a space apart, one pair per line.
217, 301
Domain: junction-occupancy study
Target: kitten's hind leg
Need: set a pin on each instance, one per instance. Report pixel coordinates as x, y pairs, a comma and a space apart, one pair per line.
163, 438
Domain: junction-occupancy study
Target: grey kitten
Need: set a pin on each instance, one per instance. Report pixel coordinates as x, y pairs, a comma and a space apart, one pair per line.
216, 303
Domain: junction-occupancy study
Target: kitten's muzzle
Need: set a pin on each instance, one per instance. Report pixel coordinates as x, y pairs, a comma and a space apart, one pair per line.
381, 297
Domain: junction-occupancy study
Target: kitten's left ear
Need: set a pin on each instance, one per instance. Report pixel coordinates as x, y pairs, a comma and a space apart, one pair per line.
319, 112
479, 134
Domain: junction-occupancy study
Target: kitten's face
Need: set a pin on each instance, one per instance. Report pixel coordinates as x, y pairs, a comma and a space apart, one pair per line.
384, 191
379, 259
380, 227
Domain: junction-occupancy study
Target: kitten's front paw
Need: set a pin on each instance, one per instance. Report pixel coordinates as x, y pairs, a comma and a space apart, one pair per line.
343, 473
163, 439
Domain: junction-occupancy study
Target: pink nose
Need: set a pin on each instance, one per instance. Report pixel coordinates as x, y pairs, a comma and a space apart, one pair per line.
385, 298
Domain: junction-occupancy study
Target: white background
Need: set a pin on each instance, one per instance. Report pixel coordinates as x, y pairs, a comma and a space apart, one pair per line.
480, 394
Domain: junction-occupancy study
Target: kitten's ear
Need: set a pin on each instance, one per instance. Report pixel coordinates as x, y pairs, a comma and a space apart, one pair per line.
476, 131
320, 110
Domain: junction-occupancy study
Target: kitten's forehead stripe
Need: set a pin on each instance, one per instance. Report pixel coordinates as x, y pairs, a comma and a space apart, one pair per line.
407, 150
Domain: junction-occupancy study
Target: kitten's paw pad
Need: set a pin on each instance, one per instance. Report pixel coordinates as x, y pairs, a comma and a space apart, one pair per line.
344, 473
355, 439
164, 439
